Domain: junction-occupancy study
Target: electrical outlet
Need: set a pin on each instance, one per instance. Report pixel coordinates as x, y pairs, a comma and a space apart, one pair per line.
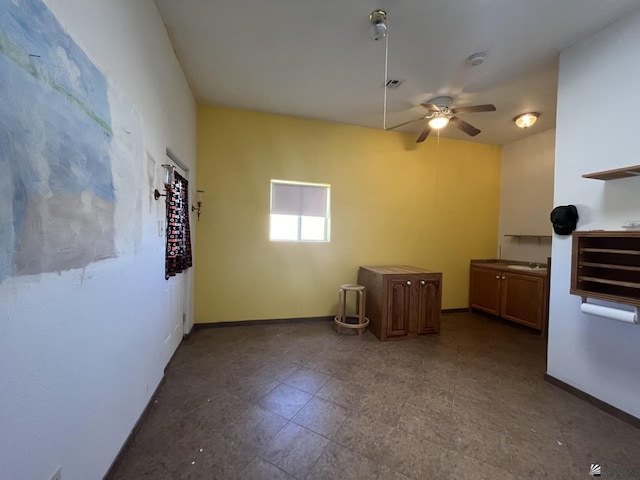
57, 475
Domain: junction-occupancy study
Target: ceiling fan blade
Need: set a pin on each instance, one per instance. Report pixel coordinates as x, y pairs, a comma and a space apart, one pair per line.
431, 107
407, 123
475, 108
464, 126
425, 133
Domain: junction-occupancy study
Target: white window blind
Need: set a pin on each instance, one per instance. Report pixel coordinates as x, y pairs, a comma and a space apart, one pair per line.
299, 211
304, 200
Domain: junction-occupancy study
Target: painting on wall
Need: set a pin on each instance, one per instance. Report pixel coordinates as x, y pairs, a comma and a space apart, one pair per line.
57, 196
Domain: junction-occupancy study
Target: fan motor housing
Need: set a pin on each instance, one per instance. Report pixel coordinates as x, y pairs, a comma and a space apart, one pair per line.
441, 101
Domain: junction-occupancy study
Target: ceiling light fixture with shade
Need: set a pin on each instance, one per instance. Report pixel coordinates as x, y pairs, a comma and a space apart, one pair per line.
378, 19
439, 121
526, 120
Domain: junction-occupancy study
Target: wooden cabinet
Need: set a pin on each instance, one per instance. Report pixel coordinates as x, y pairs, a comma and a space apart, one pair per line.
519, 296
484, 290
522, 299
401, 301
606, 265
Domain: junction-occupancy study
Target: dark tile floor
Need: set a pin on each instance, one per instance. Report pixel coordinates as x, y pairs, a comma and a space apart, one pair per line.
298, 401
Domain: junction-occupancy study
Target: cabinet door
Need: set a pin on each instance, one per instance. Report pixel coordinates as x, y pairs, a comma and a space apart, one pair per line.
428, 305
399, 307
523, 299
484, 290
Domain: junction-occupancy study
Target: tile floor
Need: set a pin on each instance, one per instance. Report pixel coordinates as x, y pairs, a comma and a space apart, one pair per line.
298, 401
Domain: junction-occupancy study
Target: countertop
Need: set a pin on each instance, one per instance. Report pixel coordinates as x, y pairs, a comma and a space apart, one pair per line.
398, 269
531, 268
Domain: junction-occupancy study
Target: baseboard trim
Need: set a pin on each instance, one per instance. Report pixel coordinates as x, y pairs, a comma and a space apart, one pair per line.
238, 323
248, 323
136, 429
605, 407
454, 310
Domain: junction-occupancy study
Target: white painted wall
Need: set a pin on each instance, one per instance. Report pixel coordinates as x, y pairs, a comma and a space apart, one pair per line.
598, 356
526, 197
82, 351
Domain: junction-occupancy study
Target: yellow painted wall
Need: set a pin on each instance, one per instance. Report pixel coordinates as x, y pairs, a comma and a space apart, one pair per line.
432, 205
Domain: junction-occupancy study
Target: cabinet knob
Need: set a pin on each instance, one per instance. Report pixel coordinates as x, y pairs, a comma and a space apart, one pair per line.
422, 282
408, 282
504, 278
498, 277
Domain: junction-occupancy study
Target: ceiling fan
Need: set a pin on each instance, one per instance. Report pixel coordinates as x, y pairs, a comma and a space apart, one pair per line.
440, 114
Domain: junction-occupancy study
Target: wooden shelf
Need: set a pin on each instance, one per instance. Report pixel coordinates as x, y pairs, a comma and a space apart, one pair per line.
610, 266
610, 250
632, 171
529, 236
605, 265
609, 282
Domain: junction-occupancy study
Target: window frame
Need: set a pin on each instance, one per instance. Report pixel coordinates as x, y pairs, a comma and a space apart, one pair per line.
300, 210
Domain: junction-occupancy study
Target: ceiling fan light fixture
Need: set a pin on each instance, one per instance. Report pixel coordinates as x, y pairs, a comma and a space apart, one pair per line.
526, 120
438, 122
378, 20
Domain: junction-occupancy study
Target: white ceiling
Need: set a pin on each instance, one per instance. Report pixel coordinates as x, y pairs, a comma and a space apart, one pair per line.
315, 59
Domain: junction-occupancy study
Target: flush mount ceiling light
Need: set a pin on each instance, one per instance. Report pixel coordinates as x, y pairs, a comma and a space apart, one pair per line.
526, 120
378, 20
439, 121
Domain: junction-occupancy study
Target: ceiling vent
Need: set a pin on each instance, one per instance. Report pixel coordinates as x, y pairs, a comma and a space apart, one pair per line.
391, 83
476, 59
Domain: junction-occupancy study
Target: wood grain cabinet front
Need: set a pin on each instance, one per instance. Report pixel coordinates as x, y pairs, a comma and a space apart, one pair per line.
484, 290
515, 296
522, 299
402, 302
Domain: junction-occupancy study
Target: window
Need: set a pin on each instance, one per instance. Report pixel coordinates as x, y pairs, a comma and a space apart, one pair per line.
299, 211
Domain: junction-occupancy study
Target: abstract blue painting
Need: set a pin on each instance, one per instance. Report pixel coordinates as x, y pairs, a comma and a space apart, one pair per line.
57, 197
